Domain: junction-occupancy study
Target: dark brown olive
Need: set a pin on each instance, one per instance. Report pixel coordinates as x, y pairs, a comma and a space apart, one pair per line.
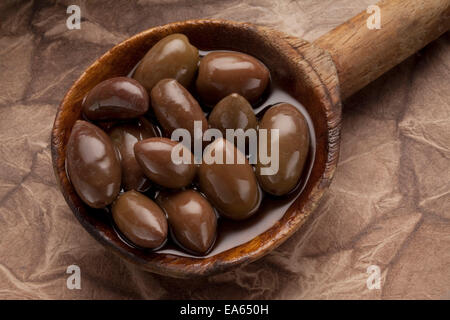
116, 98
232, 112
124, 136
154, 155
231, 187
191, 218
223, 73
293, 148
172, 57
92, 165
140, 220
175, 107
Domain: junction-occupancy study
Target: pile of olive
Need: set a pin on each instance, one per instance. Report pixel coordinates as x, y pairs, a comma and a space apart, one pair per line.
127, 165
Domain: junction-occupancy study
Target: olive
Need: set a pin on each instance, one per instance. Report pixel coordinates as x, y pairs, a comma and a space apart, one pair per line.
124, 136
175, 108
191, 218
223, 73
154, 155
92, 165
140, 220
228, 180
293, 145
232, 112
116, 98
171, 57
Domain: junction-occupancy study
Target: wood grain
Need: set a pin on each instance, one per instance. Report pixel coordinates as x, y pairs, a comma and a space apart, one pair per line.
362, 55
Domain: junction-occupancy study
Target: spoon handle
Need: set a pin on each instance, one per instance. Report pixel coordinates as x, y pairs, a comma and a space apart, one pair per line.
362, 53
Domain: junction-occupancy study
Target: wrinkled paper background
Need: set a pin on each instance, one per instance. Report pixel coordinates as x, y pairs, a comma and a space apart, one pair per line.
388, 206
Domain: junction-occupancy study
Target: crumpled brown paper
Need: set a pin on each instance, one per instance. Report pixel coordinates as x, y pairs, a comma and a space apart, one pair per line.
389, 204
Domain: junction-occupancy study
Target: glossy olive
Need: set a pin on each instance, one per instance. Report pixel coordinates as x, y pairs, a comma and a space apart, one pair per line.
293, 148
172, 57
154, 155
191, 218
175, 107
231, 187
116, 98
124, 136
223, 73
140, 220
232, 112
92, 165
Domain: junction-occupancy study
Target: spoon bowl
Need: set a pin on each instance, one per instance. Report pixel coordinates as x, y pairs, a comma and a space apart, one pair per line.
304, 71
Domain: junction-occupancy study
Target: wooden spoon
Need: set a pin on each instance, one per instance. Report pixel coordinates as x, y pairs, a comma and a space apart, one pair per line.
317, 74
